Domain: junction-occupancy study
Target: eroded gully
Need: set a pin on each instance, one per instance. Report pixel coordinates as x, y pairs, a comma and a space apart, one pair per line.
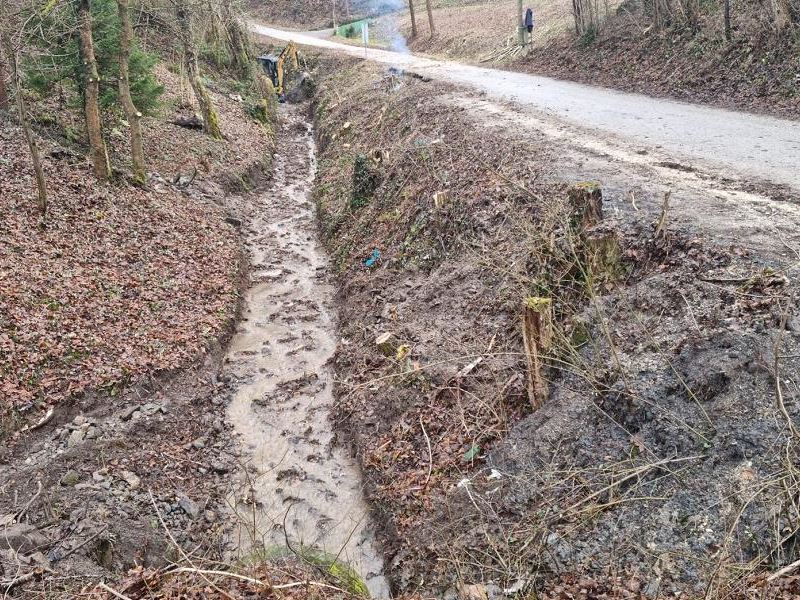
298, 486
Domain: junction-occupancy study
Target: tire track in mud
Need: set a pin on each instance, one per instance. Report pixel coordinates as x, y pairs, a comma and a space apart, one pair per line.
298, 486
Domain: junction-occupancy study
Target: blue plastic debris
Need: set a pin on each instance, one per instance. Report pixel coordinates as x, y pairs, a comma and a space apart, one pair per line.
370, 262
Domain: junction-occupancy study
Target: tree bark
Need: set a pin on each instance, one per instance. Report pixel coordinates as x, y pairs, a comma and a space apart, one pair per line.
132, 114
238, 41
19, 97
430, 17
91, 101
783, 14
537, 336
3, 89
210, 118
413, 18
727, 18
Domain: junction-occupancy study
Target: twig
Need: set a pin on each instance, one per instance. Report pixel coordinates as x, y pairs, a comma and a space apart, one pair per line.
41, 422
430, 451
72, 551
112, 591
25, 508
8, 584
662, 220
633, 200
179, 548
776, 373
284, 586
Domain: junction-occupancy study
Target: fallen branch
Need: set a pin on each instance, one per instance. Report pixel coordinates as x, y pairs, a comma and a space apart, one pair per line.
41, 422
661, 226
21, 512
112, 591
430, 452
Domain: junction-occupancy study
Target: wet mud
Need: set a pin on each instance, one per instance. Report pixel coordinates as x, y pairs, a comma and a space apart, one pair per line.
300, 491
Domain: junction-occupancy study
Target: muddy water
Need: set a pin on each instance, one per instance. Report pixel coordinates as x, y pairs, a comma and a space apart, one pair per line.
299, 487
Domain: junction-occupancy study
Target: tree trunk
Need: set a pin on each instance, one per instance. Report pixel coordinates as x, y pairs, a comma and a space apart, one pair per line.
783, 14
11, 60
3, 89
210, 119
132, 114
413, 18
91, 101
238, 41
430, 17
537, 336
727, 18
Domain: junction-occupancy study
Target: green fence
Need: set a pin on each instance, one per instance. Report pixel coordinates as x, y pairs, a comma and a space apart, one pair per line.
351, 30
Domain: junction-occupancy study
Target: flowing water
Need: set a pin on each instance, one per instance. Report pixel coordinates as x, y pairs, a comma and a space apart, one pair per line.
300, 487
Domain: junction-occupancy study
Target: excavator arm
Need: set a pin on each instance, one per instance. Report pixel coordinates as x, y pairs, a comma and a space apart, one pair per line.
289, 53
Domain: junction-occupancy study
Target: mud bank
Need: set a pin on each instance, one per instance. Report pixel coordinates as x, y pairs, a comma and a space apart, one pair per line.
299, 488
657, 465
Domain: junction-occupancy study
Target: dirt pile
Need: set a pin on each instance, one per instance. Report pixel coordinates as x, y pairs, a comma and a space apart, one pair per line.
663, 460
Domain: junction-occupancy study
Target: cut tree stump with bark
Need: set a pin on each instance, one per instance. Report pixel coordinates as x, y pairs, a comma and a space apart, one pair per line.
602, 253
586, 206
537, 335
387, 344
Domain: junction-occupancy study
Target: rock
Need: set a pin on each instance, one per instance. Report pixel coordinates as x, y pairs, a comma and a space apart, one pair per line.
233, 221
79, 420
219, 467
21, 538
188, 506
75, 438
210, 516
70, 478
472, 591
128, 412
131, 479
151, 408
91, 433
199, 444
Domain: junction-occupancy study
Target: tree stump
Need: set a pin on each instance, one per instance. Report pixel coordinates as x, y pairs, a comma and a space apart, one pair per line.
602, 253
386, 344
537, 335
586, 206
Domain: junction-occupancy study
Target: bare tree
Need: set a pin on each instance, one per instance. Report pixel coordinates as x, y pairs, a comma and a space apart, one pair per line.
413, 18
132, 114
430, 17
91, 100
238, 40
22, 113
210, 118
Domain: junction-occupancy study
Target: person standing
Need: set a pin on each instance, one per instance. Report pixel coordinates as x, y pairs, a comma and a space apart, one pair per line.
529, 22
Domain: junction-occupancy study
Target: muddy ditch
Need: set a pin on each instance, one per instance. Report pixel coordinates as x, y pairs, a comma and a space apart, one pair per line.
662, 461
229, 464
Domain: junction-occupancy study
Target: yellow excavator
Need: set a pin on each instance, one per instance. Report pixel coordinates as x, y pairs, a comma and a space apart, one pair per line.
275, 66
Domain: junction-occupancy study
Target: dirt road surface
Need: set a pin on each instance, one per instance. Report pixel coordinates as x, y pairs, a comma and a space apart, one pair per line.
735, 145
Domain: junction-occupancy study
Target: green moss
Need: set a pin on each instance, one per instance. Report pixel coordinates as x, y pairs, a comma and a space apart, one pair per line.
538, 304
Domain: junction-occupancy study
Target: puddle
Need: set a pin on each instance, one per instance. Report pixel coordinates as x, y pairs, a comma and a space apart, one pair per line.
300, 488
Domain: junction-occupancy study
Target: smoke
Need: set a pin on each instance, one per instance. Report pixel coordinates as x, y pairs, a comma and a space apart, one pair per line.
390, 26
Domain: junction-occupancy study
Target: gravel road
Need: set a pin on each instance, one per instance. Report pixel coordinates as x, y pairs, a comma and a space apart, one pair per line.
733, 144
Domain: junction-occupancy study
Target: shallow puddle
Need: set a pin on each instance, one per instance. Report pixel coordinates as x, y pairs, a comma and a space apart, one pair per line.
300, 489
